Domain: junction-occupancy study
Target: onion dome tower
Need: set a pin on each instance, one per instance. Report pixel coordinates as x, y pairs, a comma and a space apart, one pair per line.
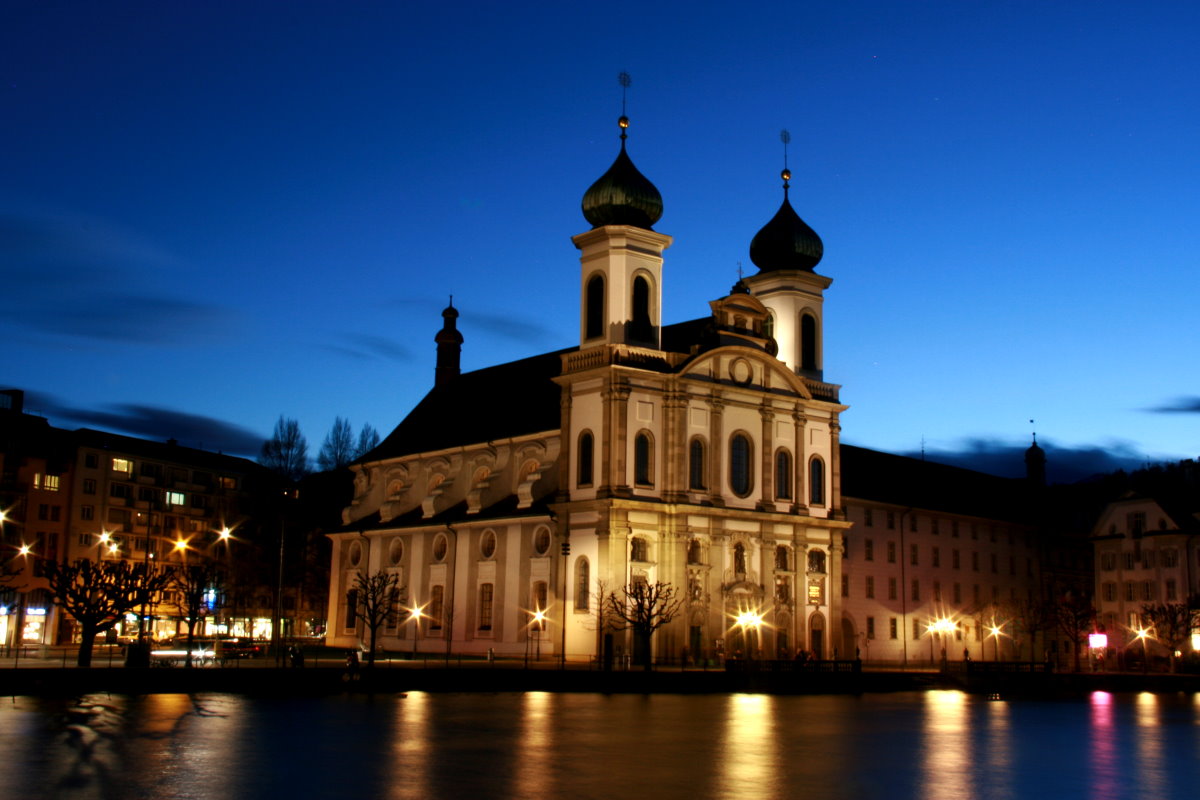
786, 250
1035, 464
621, 256
449, 347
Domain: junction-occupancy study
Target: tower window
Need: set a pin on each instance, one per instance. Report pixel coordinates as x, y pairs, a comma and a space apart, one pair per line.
739, 465
582, 584
594, 308
696, 464
643, 463
586, 456
783, 475
641, 327
808, 342
816, 482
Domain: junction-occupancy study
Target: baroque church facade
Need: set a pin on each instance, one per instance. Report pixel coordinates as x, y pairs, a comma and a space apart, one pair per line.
703, 455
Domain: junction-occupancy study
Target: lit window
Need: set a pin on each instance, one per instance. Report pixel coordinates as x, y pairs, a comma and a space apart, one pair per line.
486, 594
122, 465
176, 499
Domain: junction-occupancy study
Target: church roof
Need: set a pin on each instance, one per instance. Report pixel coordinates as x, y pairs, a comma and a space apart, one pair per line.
786, 242
623, 195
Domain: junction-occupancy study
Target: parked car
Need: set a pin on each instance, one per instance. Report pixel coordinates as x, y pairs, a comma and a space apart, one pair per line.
240, 648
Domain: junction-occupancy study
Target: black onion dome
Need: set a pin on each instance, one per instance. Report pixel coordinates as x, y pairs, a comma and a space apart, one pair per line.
786, 242
622, 196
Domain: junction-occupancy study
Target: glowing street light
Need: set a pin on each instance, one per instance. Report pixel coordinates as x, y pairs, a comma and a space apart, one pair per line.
750, 620
415, 615
1143, 634
996, 631
539, 624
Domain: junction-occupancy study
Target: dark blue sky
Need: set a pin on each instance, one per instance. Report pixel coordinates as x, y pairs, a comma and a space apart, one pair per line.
216, 213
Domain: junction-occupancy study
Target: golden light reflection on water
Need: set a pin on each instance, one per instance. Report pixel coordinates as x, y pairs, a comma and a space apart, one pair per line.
1104, 779
411, 756
1152, 776
535, 747
946, 750
749, 760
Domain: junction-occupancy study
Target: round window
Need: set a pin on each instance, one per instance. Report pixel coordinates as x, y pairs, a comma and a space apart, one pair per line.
396, 551
439, 547
541, 541
355, 553
487, 546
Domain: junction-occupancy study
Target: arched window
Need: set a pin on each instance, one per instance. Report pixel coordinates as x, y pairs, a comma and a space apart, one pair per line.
594, 308
641, 327
816, 482
643, 460
739, 465
808, 341
769, 326
816, 561
781, 558
487, 593
696, 464
638, 549
694, 552
783, 475
586, 457
583, 590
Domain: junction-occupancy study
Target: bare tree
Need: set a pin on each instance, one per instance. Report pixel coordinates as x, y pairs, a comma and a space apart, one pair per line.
374, 598
1172, 624
338, 448
1076, 619
368, 440
1030, 616
99, 595
286, 452
195, 584
644, 608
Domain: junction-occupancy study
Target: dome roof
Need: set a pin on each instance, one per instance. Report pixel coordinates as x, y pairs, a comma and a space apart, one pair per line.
786, 242
622, 196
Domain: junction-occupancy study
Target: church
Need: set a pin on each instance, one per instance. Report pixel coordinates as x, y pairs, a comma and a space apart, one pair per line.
703, 455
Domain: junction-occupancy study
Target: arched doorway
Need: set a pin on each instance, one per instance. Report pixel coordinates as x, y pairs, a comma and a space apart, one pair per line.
816, 635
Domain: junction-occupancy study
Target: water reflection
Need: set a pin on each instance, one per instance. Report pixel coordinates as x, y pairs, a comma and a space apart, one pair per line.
410, 751
1104, 780
748, 761
946, 746
1151, 777
535, 747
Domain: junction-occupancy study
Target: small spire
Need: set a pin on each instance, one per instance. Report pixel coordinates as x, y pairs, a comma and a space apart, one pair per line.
786, 138
625, 81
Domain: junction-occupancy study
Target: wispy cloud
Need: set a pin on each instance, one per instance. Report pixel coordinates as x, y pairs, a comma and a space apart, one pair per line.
366, 347
1063, 464
82, 280
1181, 405
150, 422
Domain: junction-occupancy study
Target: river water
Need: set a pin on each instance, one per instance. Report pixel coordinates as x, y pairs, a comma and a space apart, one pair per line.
938, 745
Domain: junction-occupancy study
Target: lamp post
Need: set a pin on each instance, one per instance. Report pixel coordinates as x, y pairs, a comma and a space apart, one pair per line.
750, 620
995, 631
539, 624
415, 615
1143, 634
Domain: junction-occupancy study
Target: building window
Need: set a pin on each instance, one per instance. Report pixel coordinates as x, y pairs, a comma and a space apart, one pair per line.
87, 512
643, 460
586, 457
916, 628
816, 482
937, 591
870, 627
1147, 559
916, 589
868, 550
540, 601
89, 485
957, 593
739, 465
954, 529
436, 599
122, 465
487, 544
868, 518
870, 591
993, 563
47, 483
1170, 590
816, 561
91, 460
583, 593
440, 546
1109, 590
696, 465
486, 598
391, 620
594, 308
782, 588
934, 528
176, 499
891, 588
891, 520
783, 475
638, 549
845, 585
781, 558
1136, 522
975, 561
891, 552
694, 552
913, 557
893, 629
954, 559
541, 541
1170, 557
351, 609
935, 557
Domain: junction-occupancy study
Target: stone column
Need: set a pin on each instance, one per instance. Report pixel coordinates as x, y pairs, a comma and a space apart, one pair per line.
716, 433
767, 460
800, 463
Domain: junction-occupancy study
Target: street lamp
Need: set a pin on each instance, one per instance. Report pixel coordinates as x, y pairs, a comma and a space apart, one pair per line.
415, 616
747, 620
539, 624
996, 631
1143, 634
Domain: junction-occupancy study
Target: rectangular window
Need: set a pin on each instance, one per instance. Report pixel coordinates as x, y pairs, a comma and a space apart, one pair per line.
1147, 590
954, 560
201, 501
870, 627
1129, 592
1170, 557
55, 513
1170, 590
916, 589
934, 527
912, 555
89, 485
912, 522
957, 593
975, 560
176, 499
436, 595
1012, 565
1136, 522
44, 511
893, 629
936, 557
975, 593
937, 591
1147, 559
486, 592
85, 540
954, 528
1109, 591
916, 628
122, 465
391, 620
974, 532
891, 588
868, 518
1128, 557
351, 608
993, 563
227, 482
120, 490
891, 520
91, 460
891, 553
845, 586
995, 594
868, 550
870, 592
51, 483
